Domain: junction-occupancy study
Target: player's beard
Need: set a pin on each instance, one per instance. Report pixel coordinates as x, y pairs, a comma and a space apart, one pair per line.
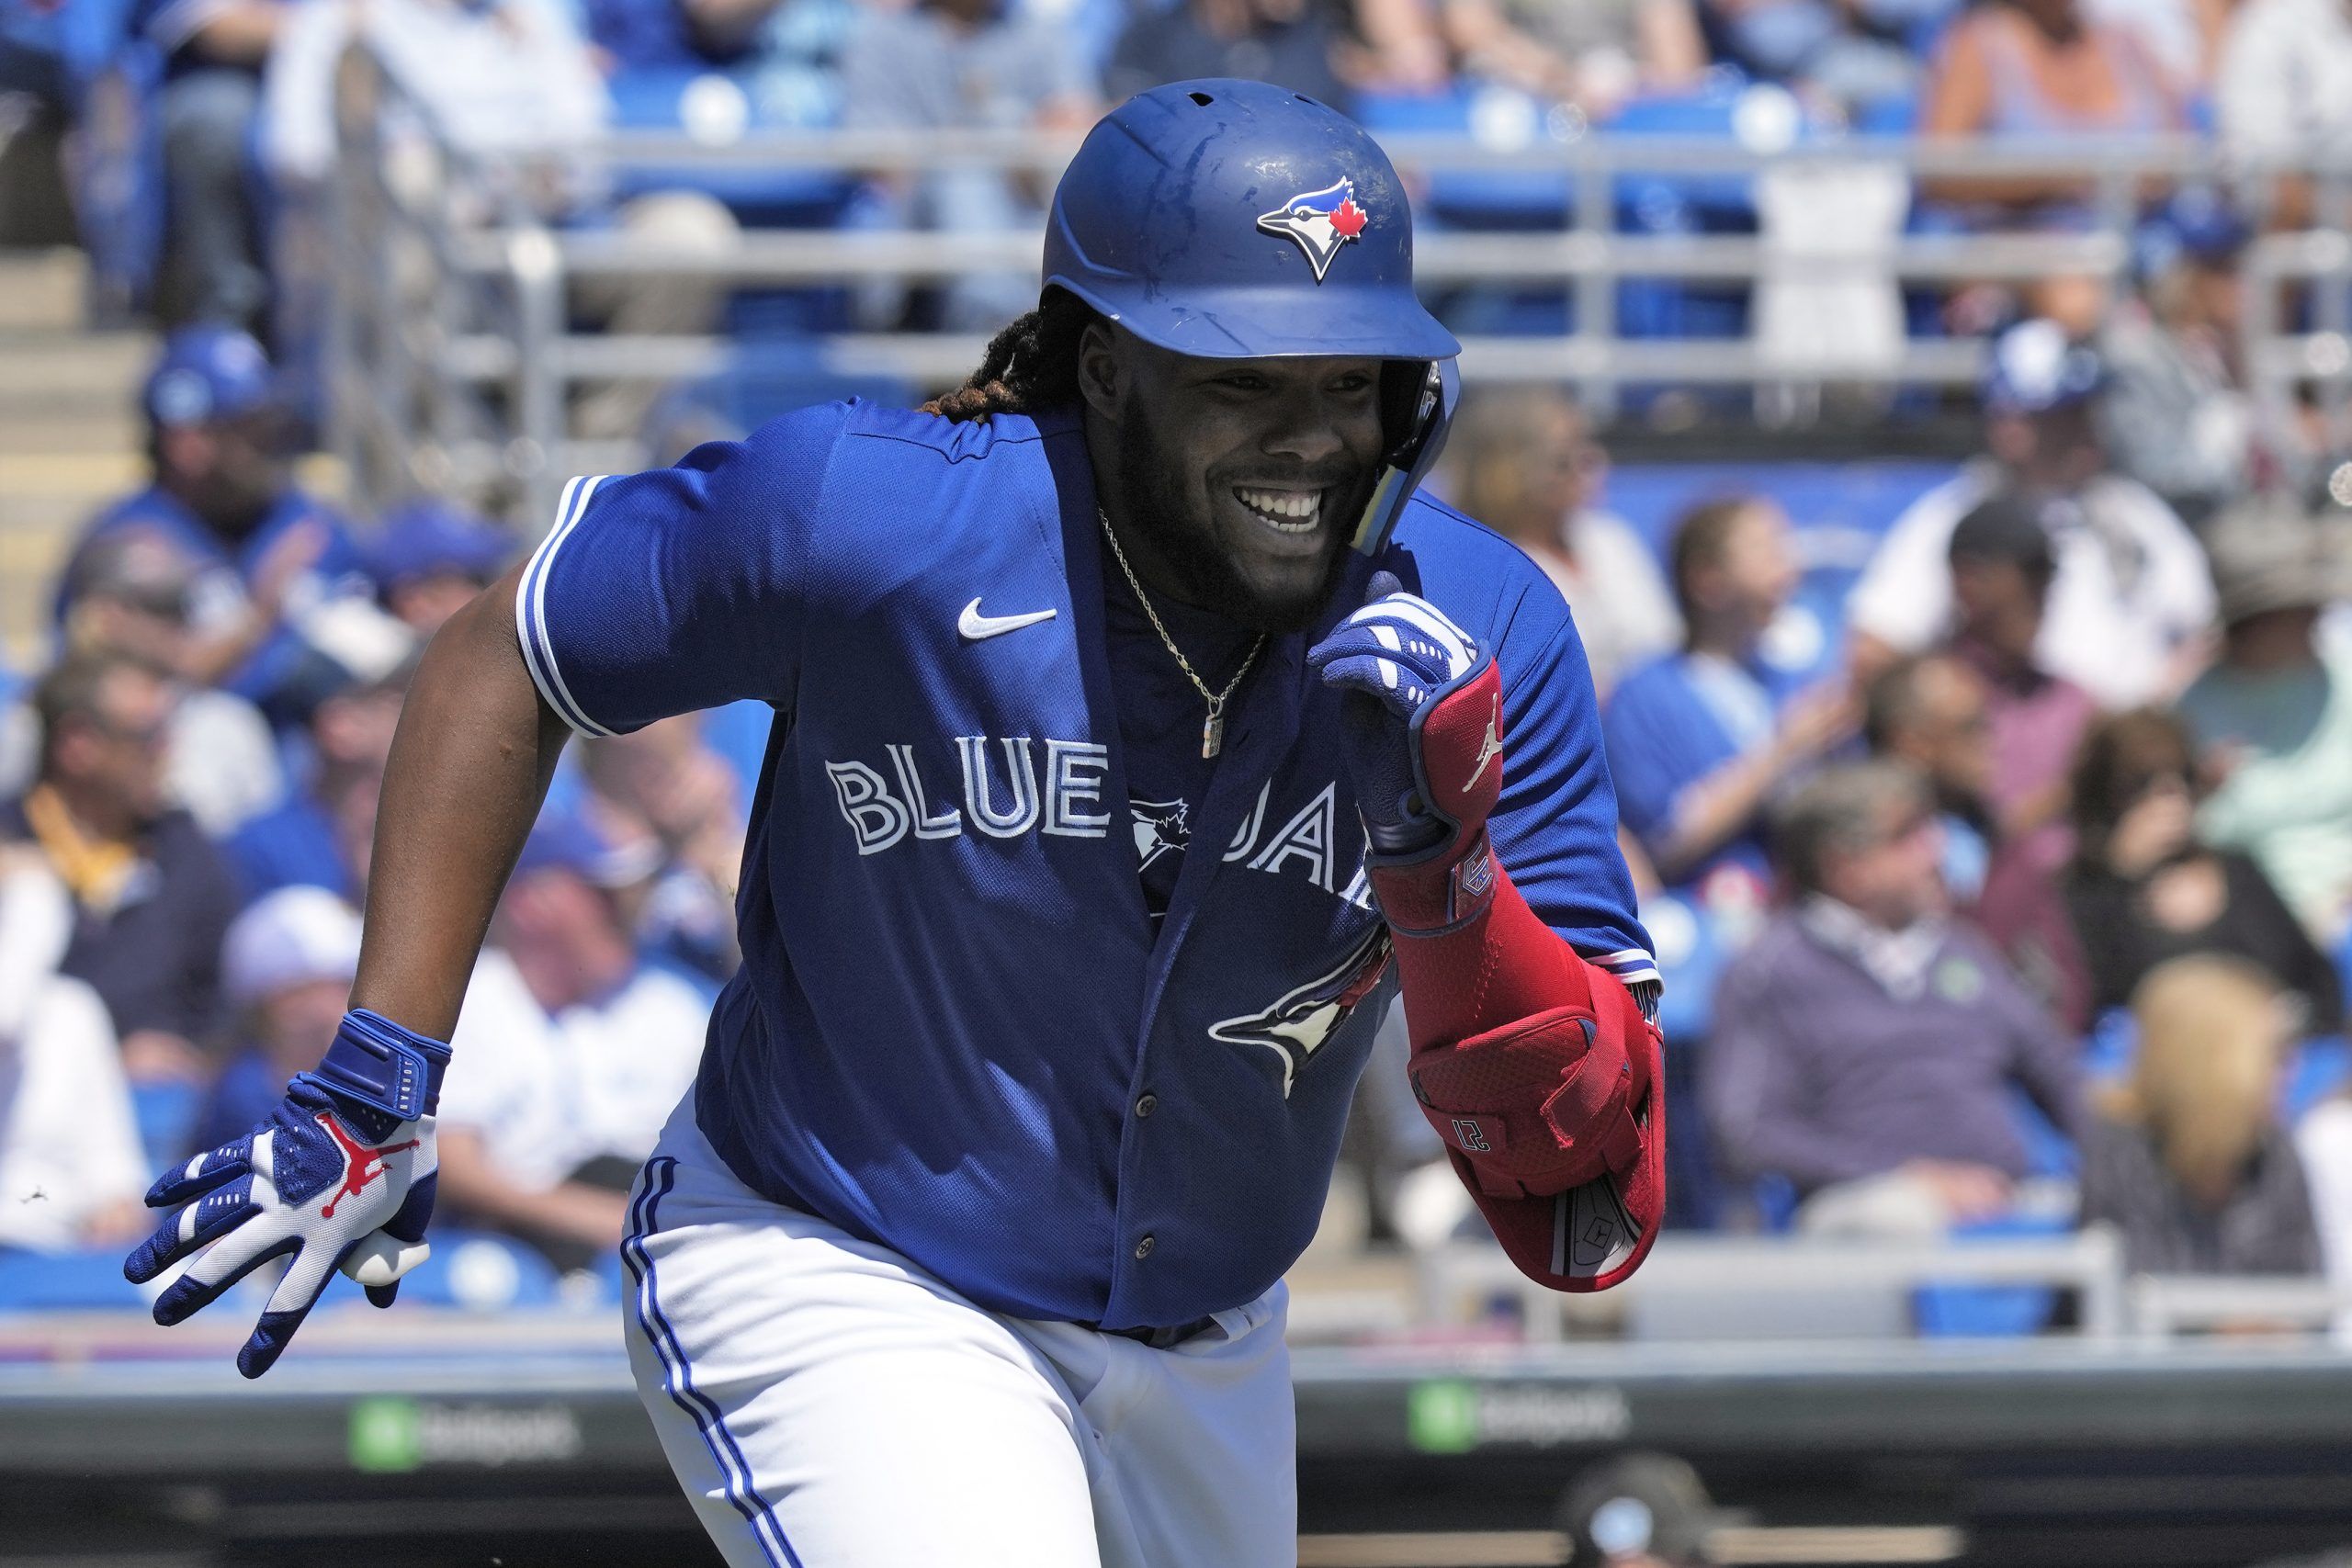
1154, 487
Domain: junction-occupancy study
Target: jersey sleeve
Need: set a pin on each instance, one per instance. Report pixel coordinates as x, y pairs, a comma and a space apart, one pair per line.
678, 589
1555, 826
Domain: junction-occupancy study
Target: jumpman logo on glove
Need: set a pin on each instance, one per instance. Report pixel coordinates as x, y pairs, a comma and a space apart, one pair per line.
362, 1165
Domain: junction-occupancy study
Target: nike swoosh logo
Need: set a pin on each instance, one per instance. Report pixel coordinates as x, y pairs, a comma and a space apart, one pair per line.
975, 626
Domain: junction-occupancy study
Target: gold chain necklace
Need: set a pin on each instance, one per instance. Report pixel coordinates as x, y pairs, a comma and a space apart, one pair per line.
1213, 730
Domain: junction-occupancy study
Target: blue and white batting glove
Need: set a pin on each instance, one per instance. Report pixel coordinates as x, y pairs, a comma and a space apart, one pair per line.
1399, 658
341, 1176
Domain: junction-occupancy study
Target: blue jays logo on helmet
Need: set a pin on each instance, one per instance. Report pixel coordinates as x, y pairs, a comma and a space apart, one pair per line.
1294, 1027
1320, 221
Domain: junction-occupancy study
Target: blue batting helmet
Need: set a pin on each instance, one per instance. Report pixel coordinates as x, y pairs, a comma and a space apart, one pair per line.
1232, 220
1239, 221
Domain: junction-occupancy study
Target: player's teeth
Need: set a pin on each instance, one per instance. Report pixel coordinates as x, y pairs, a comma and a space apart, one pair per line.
1299, 506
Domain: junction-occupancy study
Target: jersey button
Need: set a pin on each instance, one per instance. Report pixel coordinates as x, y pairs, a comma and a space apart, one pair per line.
1147, 1105
1143, 1248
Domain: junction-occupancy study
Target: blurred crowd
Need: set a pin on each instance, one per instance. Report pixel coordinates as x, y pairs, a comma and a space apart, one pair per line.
2026, 902
188, 798
202, 131
2013, 893
2023, 899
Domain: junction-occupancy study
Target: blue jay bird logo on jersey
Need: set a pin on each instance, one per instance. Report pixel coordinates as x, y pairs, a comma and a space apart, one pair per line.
1294, 1027
1319, 222
1161, 827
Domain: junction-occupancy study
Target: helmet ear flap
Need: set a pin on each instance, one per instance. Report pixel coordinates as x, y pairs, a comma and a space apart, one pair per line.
1417, 401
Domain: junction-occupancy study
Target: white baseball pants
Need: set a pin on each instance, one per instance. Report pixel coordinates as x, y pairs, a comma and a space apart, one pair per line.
827, 1404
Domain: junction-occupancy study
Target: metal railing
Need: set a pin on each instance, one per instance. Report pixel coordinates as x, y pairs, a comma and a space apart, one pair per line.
453, 364
1734, 1287
1845, 1288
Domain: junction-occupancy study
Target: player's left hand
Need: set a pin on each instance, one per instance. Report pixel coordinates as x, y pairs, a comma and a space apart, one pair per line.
341, 1176
1423, 722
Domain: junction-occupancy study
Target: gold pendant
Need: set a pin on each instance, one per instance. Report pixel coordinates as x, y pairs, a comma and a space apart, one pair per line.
1213, 732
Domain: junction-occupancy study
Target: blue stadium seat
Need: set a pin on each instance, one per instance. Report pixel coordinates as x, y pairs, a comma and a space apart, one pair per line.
1466, 198
166, 1114
771, 374
481, 1271
1839, 508
1840, 511
660, 98
1691, 953
1987, 1312
66, 1281
2320, 1069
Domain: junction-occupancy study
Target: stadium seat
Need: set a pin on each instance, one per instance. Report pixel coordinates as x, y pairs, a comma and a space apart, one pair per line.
1989, 1311
1462, 198
1691, 953
2320, 1069
166, 1114
481, 1271
720, 107
66, 1281
1839, 508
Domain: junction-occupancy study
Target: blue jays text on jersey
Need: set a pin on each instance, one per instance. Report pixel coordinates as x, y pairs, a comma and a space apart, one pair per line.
957, 1029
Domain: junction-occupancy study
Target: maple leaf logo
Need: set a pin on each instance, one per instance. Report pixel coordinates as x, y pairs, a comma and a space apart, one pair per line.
1347, 220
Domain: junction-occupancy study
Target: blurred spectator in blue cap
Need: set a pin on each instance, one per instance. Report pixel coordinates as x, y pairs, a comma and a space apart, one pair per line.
129, 594
287, 967
279, 594
429, 558
576, 1052
322, 832
2131, 597
2175, 413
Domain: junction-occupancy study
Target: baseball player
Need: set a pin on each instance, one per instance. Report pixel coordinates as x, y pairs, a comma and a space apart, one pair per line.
1139, 734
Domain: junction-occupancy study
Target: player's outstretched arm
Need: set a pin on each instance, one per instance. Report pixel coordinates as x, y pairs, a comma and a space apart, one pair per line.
469, 765
1537, 1068
342, 1174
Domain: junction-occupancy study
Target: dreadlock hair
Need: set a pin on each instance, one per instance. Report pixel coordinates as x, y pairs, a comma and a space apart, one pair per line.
1030, 366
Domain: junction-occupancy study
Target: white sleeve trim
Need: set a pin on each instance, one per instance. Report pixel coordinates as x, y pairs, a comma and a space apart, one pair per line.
1631, 965
530, 610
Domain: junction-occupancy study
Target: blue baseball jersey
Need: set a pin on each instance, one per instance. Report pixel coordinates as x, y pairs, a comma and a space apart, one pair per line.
959, 1030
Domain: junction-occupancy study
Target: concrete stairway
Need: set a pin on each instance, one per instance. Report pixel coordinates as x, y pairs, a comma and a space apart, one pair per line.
69, 432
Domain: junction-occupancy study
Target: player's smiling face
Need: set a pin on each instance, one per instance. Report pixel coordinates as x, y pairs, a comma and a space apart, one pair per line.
1234, 482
